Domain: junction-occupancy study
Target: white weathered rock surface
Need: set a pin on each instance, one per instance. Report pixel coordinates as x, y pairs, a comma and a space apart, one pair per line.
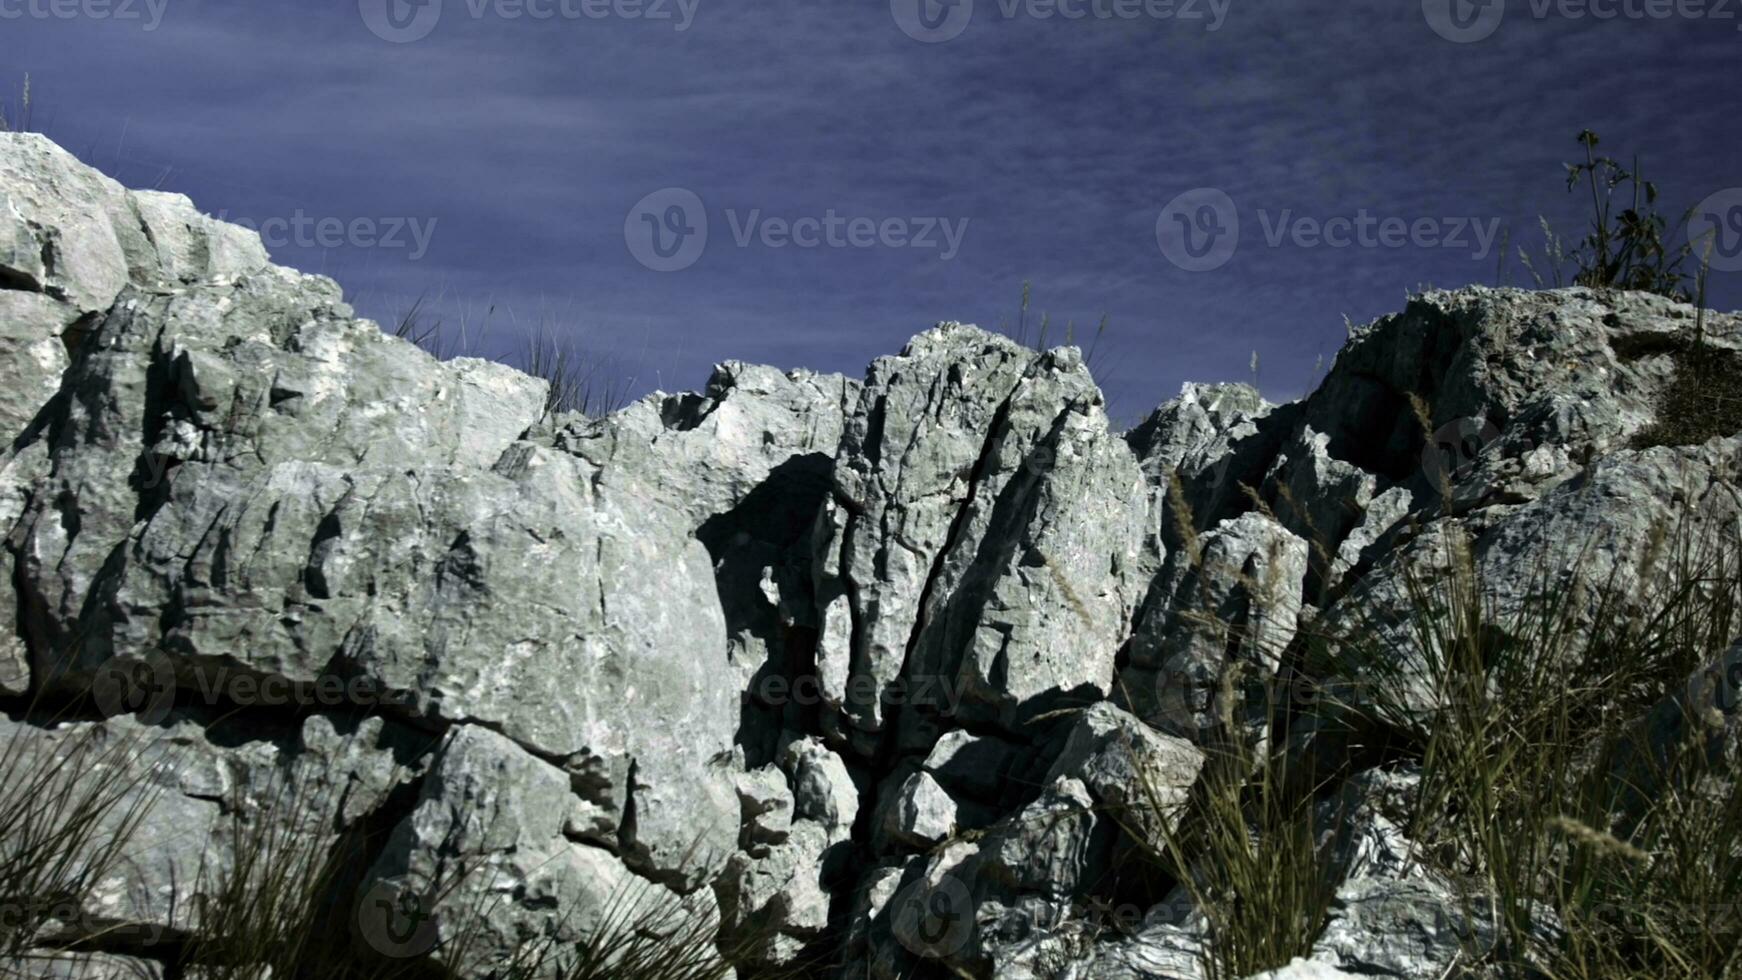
984, 540
1302, 969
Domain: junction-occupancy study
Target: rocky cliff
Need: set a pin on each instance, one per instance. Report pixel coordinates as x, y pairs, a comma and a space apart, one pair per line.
867, 670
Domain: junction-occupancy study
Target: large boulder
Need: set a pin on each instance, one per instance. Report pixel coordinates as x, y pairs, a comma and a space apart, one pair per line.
335, 502
1602, 538
75, 235
746, 463
497, 839
169, 812
984, 545
70, 240
1510, 438
1579, 369
233, 495
1128, 766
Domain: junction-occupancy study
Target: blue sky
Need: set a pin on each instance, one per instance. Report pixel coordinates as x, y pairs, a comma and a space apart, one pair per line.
521, 164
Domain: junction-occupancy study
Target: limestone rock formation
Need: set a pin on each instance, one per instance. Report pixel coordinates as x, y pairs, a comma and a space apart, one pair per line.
883, 673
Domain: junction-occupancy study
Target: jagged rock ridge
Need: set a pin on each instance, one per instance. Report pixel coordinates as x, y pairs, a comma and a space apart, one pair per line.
817, 655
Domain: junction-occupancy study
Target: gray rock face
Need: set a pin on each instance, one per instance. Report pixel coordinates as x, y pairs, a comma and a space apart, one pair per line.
33, 352
1004, 898
1392, 915
775, 896
1524, 459
766, 805
1323, 501
1573, 368
777, 903
1196, 431
1074, 950
188, 799
497, 838
77, 236
70, 240
1601, 530
18, 470
338, 504
325, 506
336, 498
1387, 927
918, 813
875, 671
972, 767
1126, 764
1381, 515
1203, 451
1230, 602
823, 789
982, 543
68, 231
